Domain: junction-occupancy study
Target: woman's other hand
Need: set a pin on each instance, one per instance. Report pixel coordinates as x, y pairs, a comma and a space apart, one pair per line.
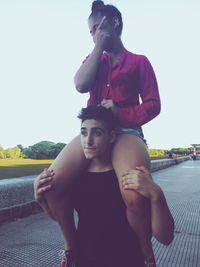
108, 103
141, 181
42, 184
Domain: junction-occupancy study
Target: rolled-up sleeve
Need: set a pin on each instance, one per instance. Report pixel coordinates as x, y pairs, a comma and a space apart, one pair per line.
149, 108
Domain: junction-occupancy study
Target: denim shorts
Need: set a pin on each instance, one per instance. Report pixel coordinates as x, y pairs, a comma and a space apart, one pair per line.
137, 131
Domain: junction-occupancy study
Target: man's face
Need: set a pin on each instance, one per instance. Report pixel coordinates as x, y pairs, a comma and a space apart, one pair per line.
95, 139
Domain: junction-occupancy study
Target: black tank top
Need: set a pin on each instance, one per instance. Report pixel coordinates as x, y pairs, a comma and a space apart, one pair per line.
105, 238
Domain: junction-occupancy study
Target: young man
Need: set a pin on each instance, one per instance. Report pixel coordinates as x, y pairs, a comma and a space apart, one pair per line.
104, 237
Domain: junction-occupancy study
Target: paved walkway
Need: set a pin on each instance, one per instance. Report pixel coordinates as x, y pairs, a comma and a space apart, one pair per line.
35, 241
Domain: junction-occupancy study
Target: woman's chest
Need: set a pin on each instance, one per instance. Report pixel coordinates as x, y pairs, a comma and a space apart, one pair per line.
121, 84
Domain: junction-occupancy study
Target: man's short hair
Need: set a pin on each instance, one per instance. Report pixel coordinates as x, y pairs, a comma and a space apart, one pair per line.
99, 113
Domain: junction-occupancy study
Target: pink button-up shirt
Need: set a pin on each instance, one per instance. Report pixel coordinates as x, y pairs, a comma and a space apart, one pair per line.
124, 82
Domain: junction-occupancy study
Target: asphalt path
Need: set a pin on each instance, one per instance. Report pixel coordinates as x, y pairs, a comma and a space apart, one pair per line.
36, 240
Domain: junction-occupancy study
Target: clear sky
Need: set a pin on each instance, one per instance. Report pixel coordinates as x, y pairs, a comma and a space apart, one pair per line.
42, 44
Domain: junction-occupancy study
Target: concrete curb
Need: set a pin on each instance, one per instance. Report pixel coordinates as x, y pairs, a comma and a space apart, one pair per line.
17, 197
19, 211
165, 163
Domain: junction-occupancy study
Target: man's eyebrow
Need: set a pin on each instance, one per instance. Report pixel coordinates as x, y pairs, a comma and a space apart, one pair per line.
98, 128
93, 128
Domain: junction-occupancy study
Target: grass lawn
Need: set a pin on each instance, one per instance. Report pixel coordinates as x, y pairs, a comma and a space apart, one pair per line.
25, 167
22, 167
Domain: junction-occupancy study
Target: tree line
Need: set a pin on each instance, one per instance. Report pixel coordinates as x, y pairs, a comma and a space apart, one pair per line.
41, 150
50, 150
180, 151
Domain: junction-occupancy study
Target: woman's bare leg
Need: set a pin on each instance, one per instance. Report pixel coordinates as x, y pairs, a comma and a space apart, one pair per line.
129, 152
67, 167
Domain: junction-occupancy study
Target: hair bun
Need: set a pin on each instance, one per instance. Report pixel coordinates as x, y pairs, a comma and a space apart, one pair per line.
97, 4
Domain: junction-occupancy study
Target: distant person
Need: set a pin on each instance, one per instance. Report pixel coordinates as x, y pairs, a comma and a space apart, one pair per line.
194, 157
170, 155
104, 237
125, 82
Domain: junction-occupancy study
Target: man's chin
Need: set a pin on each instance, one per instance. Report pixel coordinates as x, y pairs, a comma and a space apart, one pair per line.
88, 156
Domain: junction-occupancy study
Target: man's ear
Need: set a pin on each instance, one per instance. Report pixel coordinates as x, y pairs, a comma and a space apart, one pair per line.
115, 22
113, 136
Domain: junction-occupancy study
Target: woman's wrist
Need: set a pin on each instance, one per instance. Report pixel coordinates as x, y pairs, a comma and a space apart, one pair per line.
156, 194
98, 49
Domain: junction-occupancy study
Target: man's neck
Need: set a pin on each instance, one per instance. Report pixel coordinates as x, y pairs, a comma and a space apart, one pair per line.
100, 164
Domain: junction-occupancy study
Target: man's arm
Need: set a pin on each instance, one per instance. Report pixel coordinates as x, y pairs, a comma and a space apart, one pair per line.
42, 184
162, 221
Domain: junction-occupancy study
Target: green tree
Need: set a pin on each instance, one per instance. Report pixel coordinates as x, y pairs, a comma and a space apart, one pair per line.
2, 153
180, 151
12, 153
20, 147
55, 150
157, 152
43, 150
